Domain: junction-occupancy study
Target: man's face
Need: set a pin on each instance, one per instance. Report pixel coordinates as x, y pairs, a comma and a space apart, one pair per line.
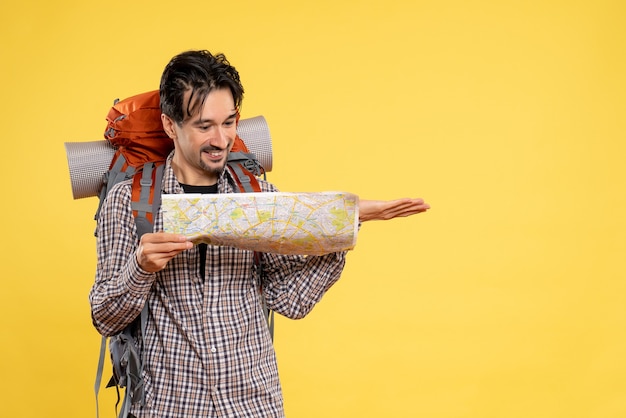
204, 140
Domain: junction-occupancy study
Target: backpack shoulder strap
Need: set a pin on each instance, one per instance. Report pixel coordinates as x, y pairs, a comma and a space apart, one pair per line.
146, 196
146, 199
244, 166
246, 181
103, 345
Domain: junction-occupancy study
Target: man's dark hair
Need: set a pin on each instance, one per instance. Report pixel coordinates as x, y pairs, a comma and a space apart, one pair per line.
198, 71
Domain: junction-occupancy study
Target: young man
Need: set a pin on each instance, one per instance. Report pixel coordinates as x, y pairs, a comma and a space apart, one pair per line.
206, 350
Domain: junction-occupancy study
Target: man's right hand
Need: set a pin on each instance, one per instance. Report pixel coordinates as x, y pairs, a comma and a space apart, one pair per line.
157, 249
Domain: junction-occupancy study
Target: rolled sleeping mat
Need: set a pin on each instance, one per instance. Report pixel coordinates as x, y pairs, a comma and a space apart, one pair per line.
89, 161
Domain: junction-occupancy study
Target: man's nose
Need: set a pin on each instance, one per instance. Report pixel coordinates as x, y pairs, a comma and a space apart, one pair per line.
219, 138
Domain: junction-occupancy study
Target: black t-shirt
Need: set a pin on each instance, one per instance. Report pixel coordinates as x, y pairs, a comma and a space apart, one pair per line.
204, 190
199, 189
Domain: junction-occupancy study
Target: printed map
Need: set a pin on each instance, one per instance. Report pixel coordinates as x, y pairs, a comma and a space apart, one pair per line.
283, 223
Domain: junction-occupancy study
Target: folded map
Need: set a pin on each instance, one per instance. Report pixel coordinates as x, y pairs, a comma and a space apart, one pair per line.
282, 223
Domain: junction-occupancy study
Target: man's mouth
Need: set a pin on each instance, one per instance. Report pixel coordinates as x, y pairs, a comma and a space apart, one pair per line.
214, 154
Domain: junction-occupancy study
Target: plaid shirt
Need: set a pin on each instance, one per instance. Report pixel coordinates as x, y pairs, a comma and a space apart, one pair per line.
207, 351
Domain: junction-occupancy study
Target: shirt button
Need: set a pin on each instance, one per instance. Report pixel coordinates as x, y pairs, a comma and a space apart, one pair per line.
213, 350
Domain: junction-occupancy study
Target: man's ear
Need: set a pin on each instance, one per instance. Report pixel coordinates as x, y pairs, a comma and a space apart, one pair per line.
168, 125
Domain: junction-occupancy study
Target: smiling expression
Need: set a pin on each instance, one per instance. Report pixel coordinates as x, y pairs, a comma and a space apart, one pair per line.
203, 141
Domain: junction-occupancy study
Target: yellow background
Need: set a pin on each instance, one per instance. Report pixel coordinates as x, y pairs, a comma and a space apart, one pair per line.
505, 300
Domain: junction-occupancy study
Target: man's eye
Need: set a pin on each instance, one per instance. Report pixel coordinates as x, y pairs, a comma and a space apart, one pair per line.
229, 123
